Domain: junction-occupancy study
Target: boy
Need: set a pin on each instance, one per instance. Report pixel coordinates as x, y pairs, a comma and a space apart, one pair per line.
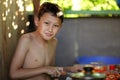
35, 53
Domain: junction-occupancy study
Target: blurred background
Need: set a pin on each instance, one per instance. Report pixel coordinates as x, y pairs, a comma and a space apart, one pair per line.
90, 28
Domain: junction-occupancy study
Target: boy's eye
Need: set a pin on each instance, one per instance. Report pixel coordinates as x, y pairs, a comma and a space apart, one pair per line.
56, 25
46, 23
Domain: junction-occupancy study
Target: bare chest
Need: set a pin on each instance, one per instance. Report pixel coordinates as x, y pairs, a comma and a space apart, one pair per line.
39, 56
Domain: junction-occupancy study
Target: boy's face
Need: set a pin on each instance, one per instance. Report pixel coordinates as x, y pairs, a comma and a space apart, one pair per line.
48, 26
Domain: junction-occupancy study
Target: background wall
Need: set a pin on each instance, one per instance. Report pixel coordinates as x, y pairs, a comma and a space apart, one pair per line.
89, 37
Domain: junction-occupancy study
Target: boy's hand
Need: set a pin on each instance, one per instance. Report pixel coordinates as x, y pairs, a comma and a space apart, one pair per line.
55, 71
76, 68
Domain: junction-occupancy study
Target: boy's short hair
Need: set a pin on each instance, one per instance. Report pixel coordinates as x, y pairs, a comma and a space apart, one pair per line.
48, 7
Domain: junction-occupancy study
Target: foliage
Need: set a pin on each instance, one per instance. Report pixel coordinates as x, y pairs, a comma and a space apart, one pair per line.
86, 4
85, 8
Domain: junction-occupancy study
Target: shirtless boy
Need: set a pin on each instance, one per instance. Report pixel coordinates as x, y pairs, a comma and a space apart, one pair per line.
35, 54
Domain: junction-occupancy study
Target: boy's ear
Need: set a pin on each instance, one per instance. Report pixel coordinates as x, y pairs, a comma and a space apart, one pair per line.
36, 20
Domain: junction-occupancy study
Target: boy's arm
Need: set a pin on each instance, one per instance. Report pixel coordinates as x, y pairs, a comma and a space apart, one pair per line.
74, 68
16, 70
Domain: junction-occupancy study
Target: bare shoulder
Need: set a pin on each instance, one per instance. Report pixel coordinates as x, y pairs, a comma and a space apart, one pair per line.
26, 37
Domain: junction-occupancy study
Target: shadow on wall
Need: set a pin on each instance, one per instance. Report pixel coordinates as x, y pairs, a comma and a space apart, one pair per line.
31, 27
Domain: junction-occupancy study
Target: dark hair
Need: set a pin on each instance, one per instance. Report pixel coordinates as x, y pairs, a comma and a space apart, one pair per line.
48, 7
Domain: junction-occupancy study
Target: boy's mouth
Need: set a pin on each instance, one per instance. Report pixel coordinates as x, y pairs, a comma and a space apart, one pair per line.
49, 34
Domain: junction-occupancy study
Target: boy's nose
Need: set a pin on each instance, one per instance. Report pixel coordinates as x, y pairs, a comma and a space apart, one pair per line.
50, 29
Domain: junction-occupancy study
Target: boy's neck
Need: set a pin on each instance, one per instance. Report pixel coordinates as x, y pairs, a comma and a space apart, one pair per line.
39, 38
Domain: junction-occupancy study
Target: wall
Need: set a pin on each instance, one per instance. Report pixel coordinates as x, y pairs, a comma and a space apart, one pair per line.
88, 36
